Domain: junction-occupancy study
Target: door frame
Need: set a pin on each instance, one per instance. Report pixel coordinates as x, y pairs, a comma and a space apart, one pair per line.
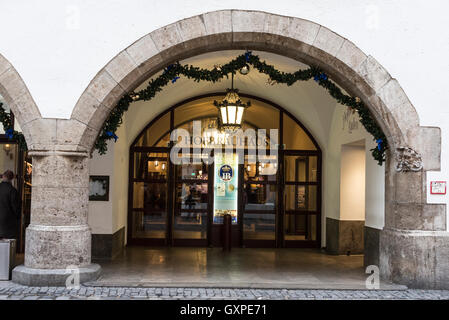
255, 243
303, 243
192, 242
147, 241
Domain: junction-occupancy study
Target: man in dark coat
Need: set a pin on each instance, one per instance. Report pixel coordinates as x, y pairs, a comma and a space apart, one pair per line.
9, 207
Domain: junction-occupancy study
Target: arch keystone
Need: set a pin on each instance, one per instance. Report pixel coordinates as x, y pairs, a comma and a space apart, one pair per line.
248, 21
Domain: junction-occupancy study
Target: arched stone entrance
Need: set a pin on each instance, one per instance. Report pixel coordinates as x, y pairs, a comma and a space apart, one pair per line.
414, 245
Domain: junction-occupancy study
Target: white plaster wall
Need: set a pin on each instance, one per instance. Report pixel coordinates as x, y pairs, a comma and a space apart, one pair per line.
120, 174
352, 182
107, 217
100, 212
374, 190
374, 174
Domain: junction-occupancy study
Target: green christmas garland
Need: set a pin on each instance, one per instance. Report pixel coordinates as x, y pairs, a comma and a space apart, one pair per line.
173, 72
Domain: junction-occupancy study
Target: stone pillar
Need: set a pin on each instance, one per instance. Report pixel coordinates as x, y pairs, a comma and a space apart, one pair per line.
58, 236
414, 245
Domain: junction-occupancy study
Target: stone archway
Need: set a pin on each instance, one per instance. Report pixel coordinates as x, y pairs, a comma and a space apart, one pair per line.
18, 98
414, 245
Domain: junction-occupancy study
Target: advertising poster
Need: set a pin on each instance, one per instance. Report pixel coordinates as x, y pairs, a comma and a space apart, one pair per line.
226, 187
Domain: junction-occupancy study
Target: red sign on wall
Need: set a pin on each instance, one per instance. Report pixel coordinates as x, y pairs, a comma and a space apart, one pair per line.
438, 187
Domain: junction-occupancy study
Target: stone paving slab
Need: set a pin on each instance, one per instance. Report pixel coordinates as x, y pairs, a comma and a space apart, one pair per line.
12, 291
277, 269
241, 284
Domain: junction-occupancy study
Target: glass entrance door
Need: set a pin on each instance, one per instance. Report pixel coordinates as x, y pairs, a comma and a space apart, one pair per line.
302, 211
150, 197
191, 209
259, 202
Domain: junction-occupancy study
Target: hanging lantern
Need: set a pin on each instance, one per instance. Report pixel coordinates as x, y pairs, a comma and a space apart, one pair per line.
231, 109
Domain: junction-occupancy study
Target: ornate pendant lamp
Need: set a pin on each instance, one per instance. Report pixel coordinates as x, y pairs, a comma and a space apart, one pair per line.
231, 109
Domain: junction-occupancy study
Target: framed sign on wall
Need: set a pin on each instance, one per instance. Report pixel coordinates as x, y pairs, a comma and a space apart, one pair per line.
438, 187
99, 188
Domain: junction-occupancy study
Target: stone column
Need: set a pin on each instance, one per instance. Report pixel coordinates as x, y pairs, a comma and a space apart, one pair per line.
58, 236
414, 244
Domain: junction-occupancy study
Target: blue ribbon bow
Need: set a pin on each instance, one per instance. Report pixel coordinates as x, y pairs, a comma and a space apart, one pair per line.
247, 55
321, 76
112, 134
174, 79
169, 67
379, 144
10, 133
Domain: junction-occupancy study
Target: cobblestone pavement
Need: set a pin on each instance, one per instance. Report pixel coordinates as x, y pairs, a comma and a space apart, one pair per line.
13, 291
